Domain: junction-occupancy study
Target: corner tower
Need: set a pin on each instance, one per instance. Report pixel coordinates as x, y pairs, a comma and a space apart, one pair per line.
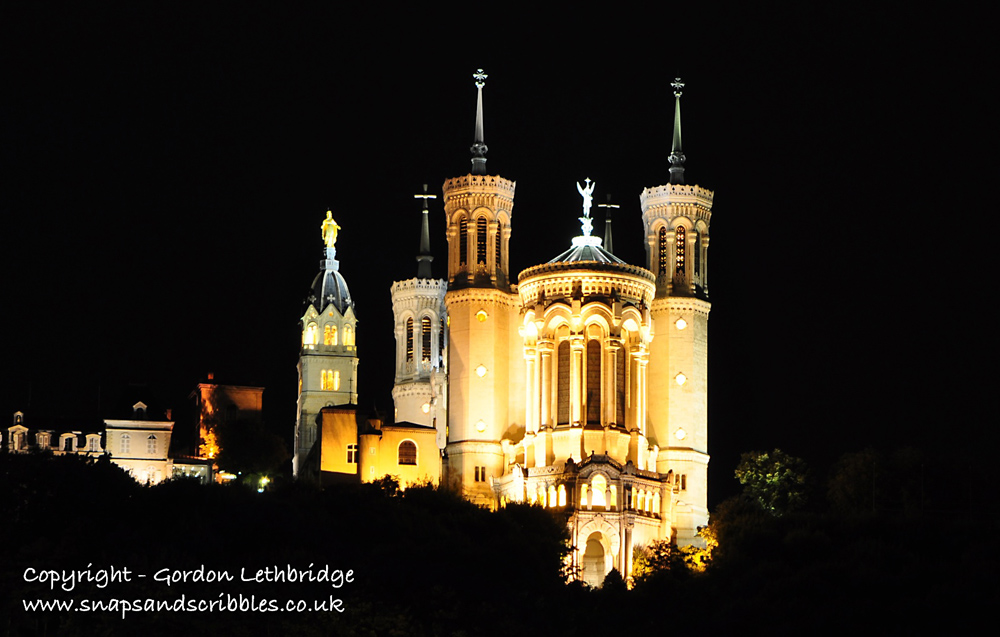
328, 360
676, 220
420, 392
482, 315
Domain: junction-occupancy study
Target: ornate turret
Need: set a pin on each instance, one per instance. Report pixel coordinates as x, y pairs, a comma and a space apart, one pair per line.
328, 361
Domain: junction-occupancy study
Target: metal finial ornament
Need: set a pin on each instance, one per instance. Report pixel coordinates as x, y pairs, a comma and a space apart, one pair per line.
479, 148
480, 78
677, 157
678, 86
608, 207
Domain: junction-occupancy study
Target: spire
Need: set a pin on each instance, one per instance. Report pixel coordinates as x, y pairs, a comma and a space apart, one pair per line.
424, 257
676, 154
479, 146
608, 207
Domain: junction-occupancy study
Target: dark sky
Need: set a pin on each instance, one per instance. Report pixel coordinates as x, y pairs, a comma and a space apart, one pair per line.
165, 172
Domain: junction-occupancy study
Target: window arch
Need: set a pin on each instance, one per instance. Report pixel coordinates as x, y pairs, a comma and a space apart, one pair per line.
562, 380
126, 446
311, 334
662, 251
499, 245
594, 381
679, 248
481, 240
599, 487
463, 241
349, 335
151, 444
330, 335
409, 339
425, 339
407, 453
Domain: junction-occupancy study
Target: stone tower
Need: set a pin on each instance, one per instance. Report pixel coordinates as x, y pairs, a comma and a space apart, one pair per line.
328, 362
420, 391
676, 220
484, 392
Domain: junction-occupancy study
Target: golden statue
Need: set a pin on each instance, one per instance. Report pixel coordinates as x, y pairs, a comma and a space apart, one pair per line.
330, 229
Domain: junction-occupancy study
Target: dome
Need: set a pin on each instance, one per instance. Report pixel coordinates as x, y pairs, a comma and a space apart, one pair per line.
329, 287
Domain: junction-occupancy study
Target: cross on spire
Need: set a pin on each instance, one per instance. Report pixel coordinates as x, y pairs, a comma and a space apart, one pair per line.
677, 157
479, 145
608, 207
424, 257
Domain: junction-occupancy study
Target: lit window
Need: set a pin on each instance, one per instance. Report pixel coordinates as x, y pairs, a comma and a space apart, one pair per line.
352, 454
481, 371
329, 380
348, 336
481, 426
481, 240
553, 498
330, 335
562, 495
310, 335
679, 249
126, 446
681, 324
599, 484
680, 378
481, 315
662, 253
92, 444
151, 444
409, 340
336, 381
407, 452
425, 339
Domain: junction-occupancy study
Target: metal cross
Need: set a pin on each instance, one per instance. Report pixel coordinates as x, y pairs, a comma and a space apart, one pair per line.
425, 196
480, 78
678, 85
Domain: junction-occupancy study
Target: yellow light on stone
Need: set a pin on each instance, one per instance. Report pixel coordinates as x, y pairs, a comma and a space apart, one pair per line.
481, 426
426, 408
680, 434
481, 371
680, 378
681, 323
481, 315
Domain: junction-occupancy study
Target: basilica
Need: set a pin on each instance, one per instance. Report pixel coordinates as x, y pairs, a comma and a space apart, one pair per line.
577, 384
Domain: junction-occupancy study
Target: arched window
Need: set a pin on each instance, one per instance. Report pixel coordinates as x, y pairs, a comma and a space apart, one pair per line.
499, 245
463, 241
679, 250
409, 339
336, 380
562, 381
481, 240
311, 335
425, 339
621, 358
348, 336
599, 485
151, 444
126, 446
407, 453
330, 335
68, 443
662, 252
594, 381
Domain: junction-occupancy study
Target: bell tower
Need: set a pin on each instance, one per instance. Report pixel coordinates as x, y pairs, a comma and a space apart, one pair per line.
420, 392
328, 360
676, 219
482, 316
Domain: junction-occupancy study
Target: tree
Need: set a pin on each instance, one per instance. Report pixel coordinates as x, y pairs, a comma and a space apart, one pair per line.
774, 480
853, 487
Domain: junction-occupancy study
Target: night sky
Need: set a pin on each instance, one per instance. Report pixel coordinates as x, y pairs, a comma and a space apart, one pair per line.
166, 170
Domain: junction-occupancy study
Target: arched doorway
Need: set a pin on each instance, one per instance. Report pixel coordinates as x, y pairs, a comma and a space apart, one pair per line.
595, 563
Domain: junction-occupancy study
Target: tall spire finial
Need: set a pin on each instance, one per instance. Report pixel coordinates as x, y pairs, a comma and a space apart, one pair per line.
424, 257
676, 153
479, 146
608, 207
